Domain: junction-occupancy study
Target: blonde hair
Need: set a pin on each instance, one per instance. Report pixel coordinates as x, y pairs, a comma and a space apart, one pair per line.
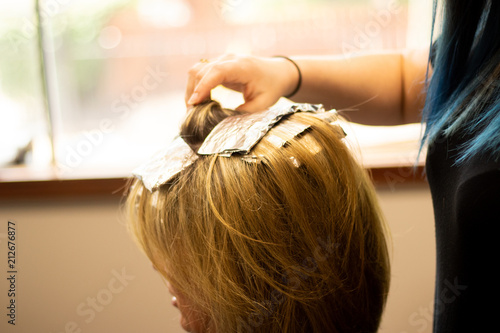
295, 243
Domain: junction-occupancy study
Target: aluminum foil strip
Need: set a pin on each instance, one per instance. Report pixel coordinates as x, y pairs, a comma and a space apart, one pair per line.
294, 129
165, 164
238, 134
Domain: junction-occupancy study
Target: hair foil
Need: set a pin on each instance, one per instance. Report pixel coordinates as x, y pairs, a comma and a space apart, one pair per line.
235, 134
238, 134
166, 164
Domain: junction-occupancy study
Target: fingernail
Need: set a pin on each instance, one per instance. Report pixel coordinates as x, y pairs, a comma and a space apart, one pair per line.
193, 98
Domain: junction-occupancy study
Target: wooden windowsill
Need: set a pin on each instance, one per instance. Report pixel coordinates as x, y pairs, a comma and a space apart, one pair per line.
388, 153
24, 182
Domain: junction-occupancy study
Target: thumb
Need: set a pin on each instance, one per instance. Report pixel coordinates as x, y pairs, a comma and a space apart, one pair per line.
256, 105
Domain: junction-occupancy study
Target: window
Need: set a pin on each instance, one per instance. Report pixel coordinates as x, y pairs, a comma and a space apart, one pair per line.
115, 71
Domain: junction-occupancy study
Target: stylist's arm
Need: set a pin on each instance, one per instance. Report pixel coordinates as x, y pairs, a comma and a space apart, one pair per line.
373, 88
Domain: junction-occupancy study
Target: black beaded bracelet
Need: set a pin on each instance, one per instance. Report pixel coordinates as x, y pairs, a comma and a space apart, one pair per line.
299, 83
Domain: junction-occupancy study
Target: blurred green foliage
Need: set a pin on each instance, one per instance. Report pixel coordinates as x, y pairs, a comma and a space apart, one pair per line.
73, 32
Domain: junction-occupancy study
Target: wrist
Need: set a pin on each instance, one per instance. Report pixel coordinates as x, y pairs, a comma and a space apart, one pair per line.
294, 78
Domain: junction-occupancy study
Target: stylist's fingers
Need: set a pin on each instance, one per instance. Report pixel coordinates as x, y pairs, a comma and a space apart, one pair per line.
195, 74
229, 73
256, 101
204, 82
261, 80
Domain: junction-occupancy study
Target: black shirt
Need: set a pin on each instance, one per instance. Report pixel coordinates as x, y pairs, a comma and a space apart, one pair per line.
466, 199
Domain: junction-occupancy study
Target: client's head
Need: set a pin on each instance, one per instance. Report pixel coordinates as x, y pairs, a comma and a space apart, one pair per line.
291, 240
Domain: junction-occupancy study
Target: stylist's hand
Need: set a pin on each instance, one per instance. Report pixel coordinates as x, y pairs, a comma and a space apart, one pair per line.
261, 80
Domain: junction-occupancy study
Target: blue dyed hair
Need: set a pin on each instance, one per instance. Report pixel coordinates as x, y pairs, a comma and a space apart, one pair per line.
463, 96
